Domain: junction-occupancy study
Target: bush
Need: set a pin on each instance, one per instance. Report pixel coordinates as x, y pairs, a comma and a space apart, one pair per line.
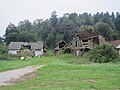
103, 54
3, 56
3, 52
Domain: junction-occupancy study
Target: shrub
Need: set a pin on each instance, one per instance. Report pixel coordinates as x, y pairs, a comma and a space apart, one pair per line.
3, 52
103, 54
3, 56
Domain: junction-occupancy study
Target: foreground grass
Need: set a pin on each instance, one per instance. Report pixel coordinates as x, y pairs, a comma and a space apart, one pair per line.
15, 64
61, 74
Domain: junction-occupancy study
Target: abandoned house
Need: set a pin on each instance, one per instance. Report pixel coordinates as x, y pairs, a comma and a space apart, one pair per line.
84, 40
26, 48
116, 45
60, 46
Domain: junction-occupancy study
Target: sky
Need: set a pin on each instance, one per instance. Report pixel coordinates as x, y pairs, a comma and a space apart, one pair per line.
15, 11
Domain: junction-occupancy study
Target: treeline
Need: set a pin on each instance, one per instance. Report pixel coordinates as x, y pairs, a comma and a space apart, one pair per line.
56, 28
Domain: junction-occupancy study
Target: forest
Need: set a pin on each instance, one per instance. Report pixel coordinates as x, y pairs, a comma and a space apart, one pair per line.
55, 28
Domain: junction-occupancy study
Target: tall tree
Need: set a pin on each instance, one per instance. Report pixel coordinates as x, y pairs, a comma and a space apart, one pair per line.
1, 40
53, 19
11, 31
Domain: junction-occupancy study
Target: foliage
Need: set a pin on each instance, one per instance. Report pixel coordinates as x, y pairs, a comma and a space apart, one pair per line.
3, 52
103, 54
55, 28
1, 40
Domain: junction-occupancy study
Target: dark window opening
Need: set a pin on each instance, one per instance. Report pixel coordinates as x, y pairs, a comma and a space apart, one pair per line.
76, 43
61, 45
84, 40
26, 47
95, 41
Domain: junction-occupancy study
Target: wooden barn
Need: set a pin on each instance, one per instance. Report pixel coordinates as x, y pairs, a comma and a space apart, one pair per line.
83, 41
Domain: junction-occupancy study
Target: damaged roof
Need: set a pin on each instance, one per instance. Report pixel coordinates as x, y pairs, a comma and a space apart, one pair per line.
86, 34
115, 43
61, 42
18, 45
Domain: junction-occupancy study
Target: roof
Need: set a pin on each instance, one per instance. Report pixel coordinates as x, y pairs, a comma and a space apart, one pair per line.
86, 34
115, 43
17, 45
37, 45
60, 42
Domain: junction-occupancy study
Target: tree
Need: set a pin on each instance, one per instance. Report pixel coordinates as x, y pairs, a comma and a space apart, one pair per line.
26, 36
117, 22
67, 29
53, 19
106, 30
12, 37
11, 33
1, 40
25, 25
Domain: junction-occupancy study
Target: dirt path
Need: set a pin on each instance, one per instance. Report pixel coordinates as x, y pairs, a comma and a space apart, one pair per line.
14, 75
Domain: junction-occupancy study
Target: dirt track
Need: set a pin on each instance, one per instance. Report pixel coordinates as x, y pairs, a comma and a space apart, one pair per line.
13, 75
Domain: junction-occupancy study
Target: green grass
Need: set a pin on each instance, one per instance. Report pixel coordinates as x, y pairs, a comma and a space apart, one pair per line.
65, 73
15, 64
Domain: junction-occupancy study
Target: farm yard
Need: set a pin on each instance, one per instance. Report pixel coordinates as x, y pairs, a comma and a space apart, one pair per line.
65, 72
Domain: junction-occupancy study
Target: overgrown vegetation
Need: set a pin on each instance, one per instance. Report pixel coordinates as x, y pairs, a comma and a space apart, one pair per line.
103, 54
3, 52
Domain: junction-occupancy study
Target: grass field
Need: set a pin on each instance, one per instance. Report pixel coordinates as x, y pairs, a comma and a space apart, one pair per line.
15, 64
66, 73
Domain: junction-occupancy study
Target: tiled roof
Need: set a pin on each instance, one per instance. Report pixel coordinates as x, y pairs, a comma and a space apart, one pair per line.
115, 43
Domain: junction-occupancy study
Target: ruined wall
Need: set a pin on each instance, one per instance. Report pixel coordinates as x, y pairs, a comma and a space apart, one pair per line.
102, 40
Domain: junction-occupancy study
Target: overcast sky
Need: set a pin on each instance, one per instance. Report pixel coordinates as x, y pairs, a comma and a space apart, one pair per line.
17, 10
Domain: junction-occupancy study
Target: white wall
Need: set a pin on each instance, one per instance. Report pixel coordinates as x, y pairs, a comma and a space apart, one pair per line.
12, 51
119, 52
39, 52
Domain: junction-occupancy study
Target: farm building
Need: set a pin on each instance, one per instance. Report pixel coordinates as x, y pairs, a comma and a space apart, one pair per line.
84, 40
26, 48
60, 46
116, 45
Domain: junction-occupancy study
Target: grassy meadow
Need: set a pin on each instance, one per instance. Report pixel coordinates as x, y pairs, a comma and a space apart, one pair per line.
66, 72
